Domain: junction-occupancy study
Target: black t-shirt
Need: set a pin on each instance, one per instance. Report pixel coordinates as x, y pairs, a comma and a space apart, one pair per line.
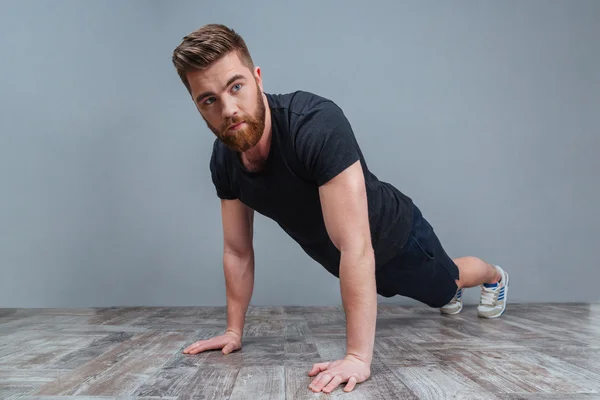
312, 142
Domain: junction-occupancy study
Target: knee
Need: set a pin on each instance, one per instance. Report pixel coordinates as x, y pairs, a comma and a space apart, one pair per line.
438, 303
467, 260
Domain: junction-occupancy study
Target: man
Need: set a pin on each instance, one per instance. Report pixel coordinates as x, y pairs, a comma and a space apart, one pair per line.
294, 158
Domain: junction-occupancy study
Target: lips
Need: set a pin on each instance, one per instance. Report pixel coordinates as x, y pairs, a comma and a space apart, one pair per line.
236, 126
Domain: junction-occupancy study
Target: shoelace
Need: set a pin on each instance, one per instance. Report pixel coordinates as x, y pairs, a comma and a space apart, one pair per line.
489, 295
456, 297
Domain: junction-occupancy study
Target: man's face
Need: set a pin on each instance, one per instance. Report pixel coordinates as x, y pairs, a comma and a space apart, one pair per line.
229, 98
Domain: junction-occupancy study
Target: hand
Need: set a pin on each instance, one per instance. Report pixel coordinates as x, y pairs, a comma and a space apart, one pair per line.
229, 342
332, 374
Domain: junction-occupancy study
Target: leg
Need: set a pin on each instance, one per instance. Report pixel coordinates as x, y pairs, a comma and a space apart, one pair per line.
423, 271
475, 272
494, 287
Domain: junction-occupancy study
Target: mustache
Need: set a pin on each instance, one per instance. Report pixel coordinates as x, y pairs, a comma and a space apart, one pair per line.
230, 121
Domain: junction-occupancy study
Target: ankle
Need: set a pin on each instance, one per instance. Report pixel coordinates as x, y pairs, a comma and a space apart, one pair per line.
496, 276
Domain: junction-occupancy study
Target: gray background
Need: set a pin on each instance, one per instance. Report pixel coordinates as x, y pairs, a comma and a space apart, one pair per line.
485, 113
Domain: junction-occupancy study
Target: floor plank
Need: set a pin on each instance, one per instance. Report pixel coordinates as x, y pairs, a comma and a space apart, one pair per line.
260, 383
437, 382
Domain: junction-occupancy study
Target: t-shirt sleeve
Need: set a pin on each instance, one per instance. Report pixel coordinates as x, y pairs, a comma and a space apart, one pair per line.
324, 142
218, 171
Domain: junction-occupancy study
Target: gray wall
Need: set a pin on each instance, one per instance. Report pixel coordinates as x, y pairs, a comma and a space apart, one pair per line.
485, 113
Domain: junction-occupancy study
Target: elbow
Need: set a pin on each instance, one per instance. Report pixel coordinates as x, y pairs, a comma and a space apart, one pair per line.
359, 251
357, 245
241, 252
238, 260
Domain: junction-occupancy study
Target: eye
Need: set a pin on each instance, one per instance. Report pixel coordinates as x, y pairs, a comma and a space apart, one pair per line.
236, 87
209, 101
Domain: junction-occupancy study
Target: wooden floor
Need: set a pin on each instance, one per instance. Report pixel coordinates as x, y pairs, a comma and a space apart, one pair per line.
547, 351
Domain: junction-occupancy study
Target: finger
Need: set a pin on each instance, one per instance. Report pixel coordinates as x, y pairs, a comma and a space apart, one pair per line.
197, 348
335, 382
191, 347
318, 368
229, 348
351, 384
205, 345
320, 382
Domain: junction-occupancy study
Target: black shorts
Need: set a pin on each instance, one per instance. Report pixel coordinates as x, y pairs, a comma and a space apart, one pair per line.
421, 270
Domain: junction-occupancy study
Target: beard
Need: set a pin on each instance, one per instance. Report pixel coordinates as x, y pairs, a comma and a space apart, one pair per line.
246, 137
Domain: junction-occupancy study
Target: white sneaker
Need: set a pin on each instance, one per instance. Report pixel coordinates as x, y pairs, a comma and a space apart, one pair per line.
455, 305
493, 297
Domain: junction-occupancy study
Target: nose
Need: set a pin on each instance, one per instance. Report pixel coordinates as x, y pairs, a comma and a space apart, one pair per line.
230, 108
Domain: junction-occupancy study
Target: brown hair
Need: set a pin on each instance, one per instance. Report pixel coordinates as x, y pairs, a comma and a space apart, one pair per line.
206, 45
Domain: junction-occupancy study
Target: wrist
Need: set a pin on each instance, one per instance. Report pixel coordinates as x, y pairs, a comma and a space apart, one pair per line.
232, 331
357, 357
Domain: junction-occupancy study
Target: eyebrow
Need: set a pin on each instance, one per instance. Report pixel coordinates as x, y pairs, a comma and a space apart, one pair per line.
229, 82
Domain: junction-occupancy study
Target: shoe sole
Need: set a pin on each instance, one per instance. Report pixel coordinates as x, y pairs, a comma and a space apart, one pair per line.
454, 312
505, 300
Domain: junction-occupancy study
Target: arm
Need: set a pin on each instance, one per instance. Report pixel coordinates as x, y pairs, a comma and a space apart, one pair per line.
238, 261
238, 265
345, 211
329, 154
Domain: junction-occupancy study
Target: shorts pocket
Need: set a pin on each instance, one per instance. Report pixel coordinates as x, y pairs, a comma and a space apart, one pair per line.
423, 246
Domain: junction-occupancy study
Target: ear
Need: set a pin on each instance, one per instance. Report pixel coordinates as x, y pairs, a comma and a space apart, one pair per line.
257, 76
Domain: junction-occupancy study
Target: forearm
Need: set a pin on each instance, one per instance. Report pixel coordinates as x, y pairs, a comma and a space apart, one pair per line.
359, 297
239, 282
